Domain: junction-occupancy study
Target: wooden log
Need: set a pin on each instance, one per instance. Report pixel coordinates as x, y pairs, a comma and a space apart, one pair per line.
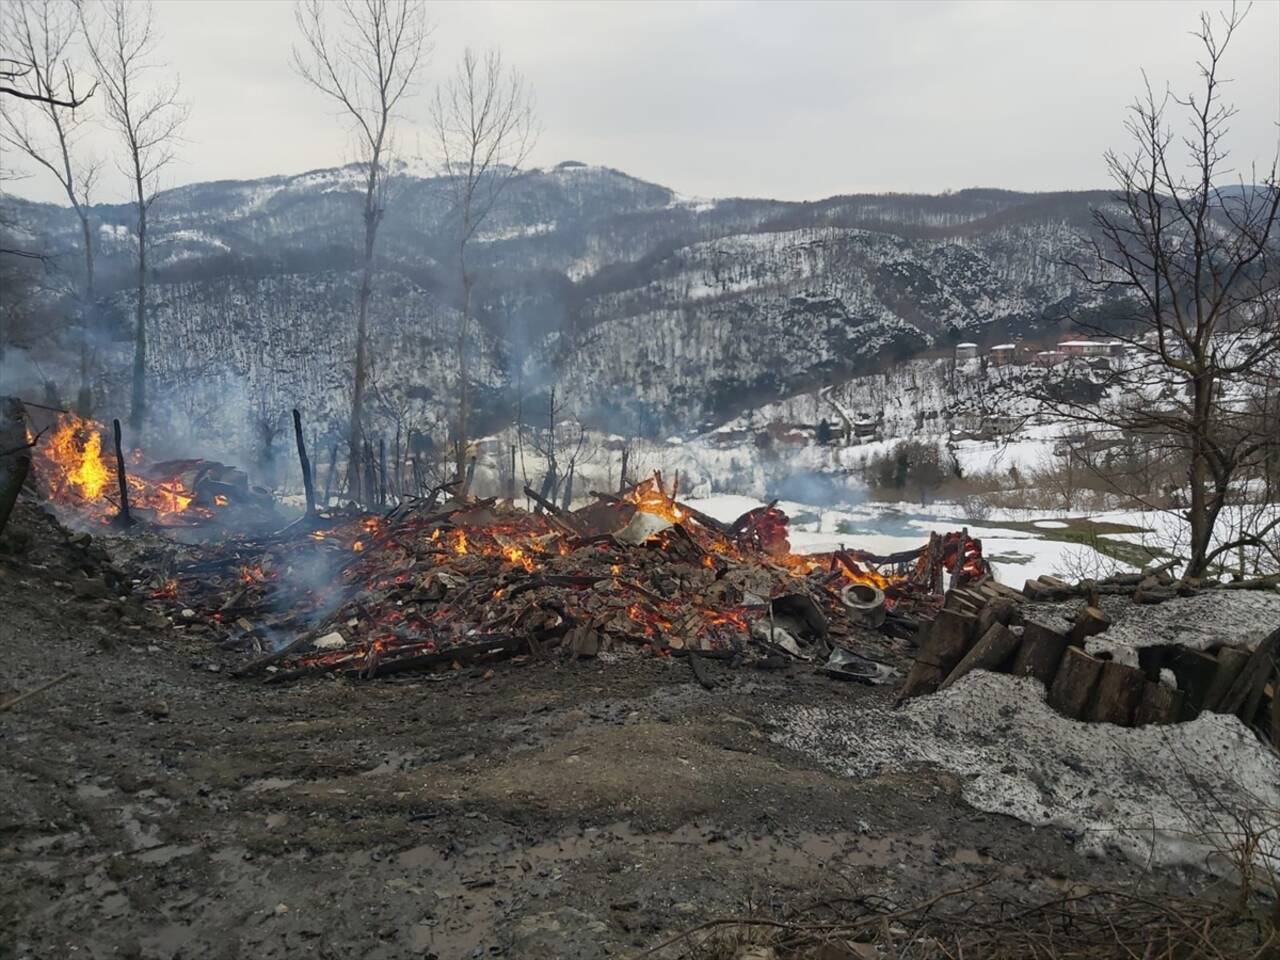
1247, 688
1001, 611
1035, 590
1040, 652
1159, 704
308, 485
700, 671
124, 517
992, 652
1231, 661
1089, 622
1194, 670
948, 641
1118, 694
1060, 587
1073, 687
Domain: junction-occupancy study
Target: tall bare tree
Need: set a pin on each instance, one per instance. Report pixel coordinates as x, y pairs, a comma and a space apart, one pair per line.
485, 127
363, 55
122, 39
1196, 260
41, 33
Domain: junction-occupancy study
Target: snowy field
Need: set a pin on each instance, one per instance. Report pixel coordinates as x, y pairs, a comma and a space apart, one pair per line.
1016, 555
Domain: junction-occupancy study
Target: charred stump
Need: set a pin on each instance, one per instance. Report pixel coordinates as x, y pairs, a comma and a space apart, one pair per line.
124, 518
308, 485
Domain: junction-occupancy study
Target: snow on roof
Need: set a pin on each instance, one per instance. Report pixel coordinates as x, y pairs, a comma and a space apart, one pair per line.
966, 344
1005, 346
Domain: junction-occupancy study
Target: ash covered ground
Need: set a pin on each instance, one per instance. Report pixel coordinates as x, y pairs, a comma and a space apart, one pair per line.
151, 806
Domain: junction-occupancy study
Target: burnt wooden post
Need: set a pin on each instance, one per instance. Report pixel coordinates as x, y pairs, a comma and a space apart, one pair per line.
382, 472
124, 517
511, 480
397, 490
307, 485
328, 479
622, 475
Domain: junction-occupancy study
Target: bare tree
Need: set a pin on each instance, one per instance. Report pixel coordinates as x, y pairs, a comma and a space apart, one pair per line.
41, 32
365, 62
147, 119
1195, 260
485, 128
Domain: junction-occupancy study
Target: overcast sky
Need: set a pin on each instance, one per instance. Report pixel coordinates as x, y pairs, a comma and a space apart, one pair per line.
789, 100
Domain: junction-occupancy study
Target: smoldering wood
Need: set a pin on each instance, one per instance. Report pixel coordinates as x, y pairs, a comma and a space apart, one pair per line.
1072, 689
307, 482
124, 517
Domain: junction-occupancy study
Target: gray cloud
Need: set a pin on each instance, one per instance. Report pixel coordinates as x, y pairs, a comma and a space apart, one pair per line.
789, 100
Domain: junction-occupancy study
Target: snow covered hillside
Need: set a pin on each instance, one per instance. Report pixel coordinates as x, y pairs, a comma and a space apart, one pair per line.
651, 312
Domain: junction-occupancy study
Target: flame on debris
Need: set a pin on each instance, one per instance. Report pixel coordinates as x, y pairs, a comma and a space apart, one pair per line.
75, 470
75, 451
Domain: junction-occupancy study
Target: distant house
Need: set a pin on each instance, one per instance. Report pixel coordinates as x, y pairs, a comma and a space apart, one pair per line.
1049, 358
966, 351
1003, 353
1091, 348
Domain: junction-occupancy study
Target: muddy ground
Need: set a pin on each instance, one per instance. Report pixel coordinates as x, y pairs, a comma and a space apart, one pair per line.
152, 806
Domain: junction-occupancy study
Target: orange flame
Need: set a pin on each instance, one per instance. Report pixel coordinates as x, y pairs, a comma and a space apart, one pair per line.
75, 450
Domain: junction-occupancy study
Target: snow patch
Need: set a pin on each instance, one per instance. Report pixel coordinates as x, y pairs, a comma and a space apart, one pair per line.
1150, 793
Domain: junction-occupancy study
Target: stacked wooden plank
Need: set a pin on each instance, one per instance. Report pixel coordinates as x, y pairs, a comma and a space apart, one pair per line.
985, 628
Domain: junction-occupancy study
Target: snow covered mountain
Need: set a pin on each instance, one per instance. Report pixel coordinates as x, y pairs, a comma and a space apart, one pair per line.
649, 311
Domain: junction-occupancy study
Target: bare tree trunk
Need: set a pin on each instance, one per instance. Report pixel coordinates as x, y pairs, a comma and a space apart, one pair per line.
84, 400
360, 380
138, 403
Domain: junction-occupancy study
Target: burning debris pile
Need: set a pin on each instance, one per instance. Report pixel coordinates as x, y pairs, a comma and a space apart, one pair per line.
428, 587
77, 474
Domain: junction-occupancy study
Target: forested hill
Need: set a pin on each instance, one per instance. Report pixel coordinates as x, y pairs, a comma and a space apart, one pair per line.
652, 311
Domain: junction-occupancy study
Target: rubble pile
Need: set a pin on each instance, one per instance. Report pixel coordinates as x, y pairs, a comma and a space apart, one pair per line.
428, 586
